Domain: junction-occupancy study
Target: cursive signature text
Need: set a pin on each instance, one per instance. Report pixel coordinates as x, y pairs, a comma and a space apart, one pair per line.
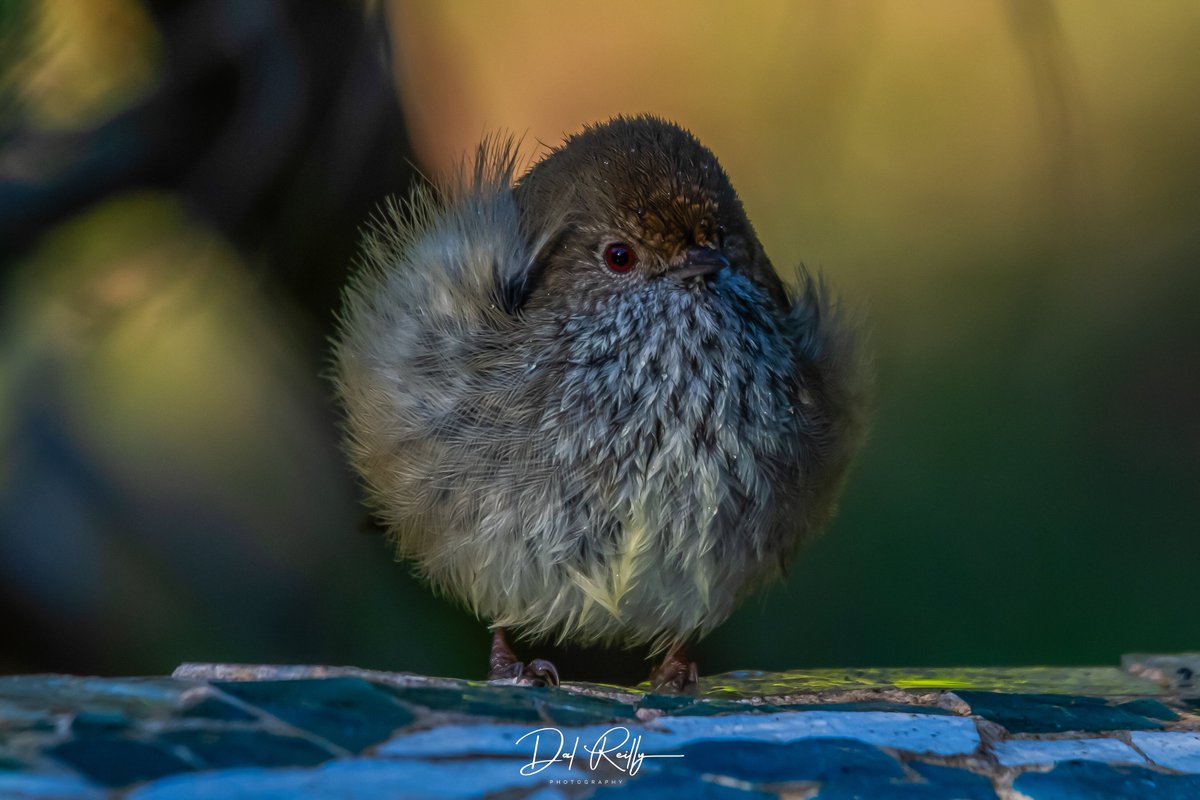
616, 747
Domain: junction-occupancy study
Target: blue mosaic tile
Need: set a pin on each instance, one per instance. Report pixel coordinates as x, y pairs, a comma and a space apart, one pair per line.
546, 794
356, 779
666, 702
932, 783
460, 739
133, 697
676, 787
709, 708
719, 706
1073, 780
175, 738
349, 712
937, 735
8, 764
1177, 750
941, 783
86, 722
29, 724
1148, 707
212, 708
803, 760
868, 705
24, 786
517, 704
1025, 752
116, 761
918, 733
244, 748
1052, 713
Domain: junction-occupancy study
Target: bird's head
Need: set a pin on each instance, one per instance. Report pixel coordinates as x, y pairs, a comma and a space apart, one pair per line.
634, 201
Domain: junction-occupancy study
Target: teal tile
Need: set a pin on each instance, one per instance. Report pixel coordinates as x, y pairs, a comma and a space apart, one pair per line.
1053, 713
803, 760
349, 712
517, 704
931, 783
116, 761
709, 708
241, 747
1074, 780
28, 786
941, 783
212, 708
135, 698
867, 705
1147, 707
666, 702
86, 722
704, 708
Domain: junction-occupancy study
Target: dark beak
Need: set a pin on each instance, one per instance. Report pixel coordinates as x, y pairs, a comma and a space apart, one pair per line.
700, 261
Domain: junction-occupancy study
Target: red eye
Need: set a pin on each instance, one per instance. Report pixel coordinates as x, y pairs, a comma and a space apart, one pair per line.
620, 257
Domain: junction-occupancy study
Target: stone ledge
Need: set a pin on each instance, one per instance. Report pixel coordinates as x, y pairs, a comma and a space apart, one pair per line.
223, 730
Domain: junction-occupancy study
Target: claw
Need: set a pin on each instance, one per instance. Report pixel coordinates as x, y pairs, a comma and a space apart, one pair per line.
676, 674
505, 666
543, 670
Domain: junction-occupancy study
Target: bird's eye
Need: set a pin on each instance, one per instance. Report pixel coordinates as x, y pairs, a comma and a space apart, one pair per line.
620, 257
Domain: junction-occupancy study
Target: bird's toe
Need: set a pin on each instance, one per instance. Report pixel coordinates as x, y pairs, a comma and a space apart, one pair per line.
675, 677
541, 672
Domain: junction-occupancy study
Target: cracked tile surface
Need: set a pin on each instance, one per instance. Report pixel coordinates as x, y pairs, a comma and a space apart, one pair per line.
274, 732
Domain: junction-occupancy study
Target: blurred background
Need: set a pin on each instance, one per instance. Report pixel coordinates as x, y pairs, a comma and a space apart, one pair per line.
1011, 188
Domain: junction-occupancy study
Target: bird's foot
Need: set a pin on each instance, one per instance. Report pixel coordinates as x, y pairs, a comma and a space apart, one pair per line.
538, 672
505, 666
676, 674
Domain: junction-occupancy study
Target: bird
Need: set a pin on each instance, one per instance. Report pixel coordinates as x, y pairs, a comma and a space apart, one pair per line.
582, 401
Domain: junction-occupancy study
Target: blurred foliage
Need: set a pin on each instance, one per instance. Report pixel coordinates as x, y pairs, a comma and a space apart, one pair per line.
1010, 188
85, 61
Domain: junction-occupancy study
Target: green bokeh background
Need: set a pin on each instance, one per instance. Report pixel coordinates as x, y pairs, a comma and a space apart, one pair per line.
1010, 191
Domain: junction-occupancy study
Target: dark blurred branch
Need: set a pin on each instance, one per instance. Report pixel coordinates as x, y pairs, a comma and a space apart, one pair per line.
278, 122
